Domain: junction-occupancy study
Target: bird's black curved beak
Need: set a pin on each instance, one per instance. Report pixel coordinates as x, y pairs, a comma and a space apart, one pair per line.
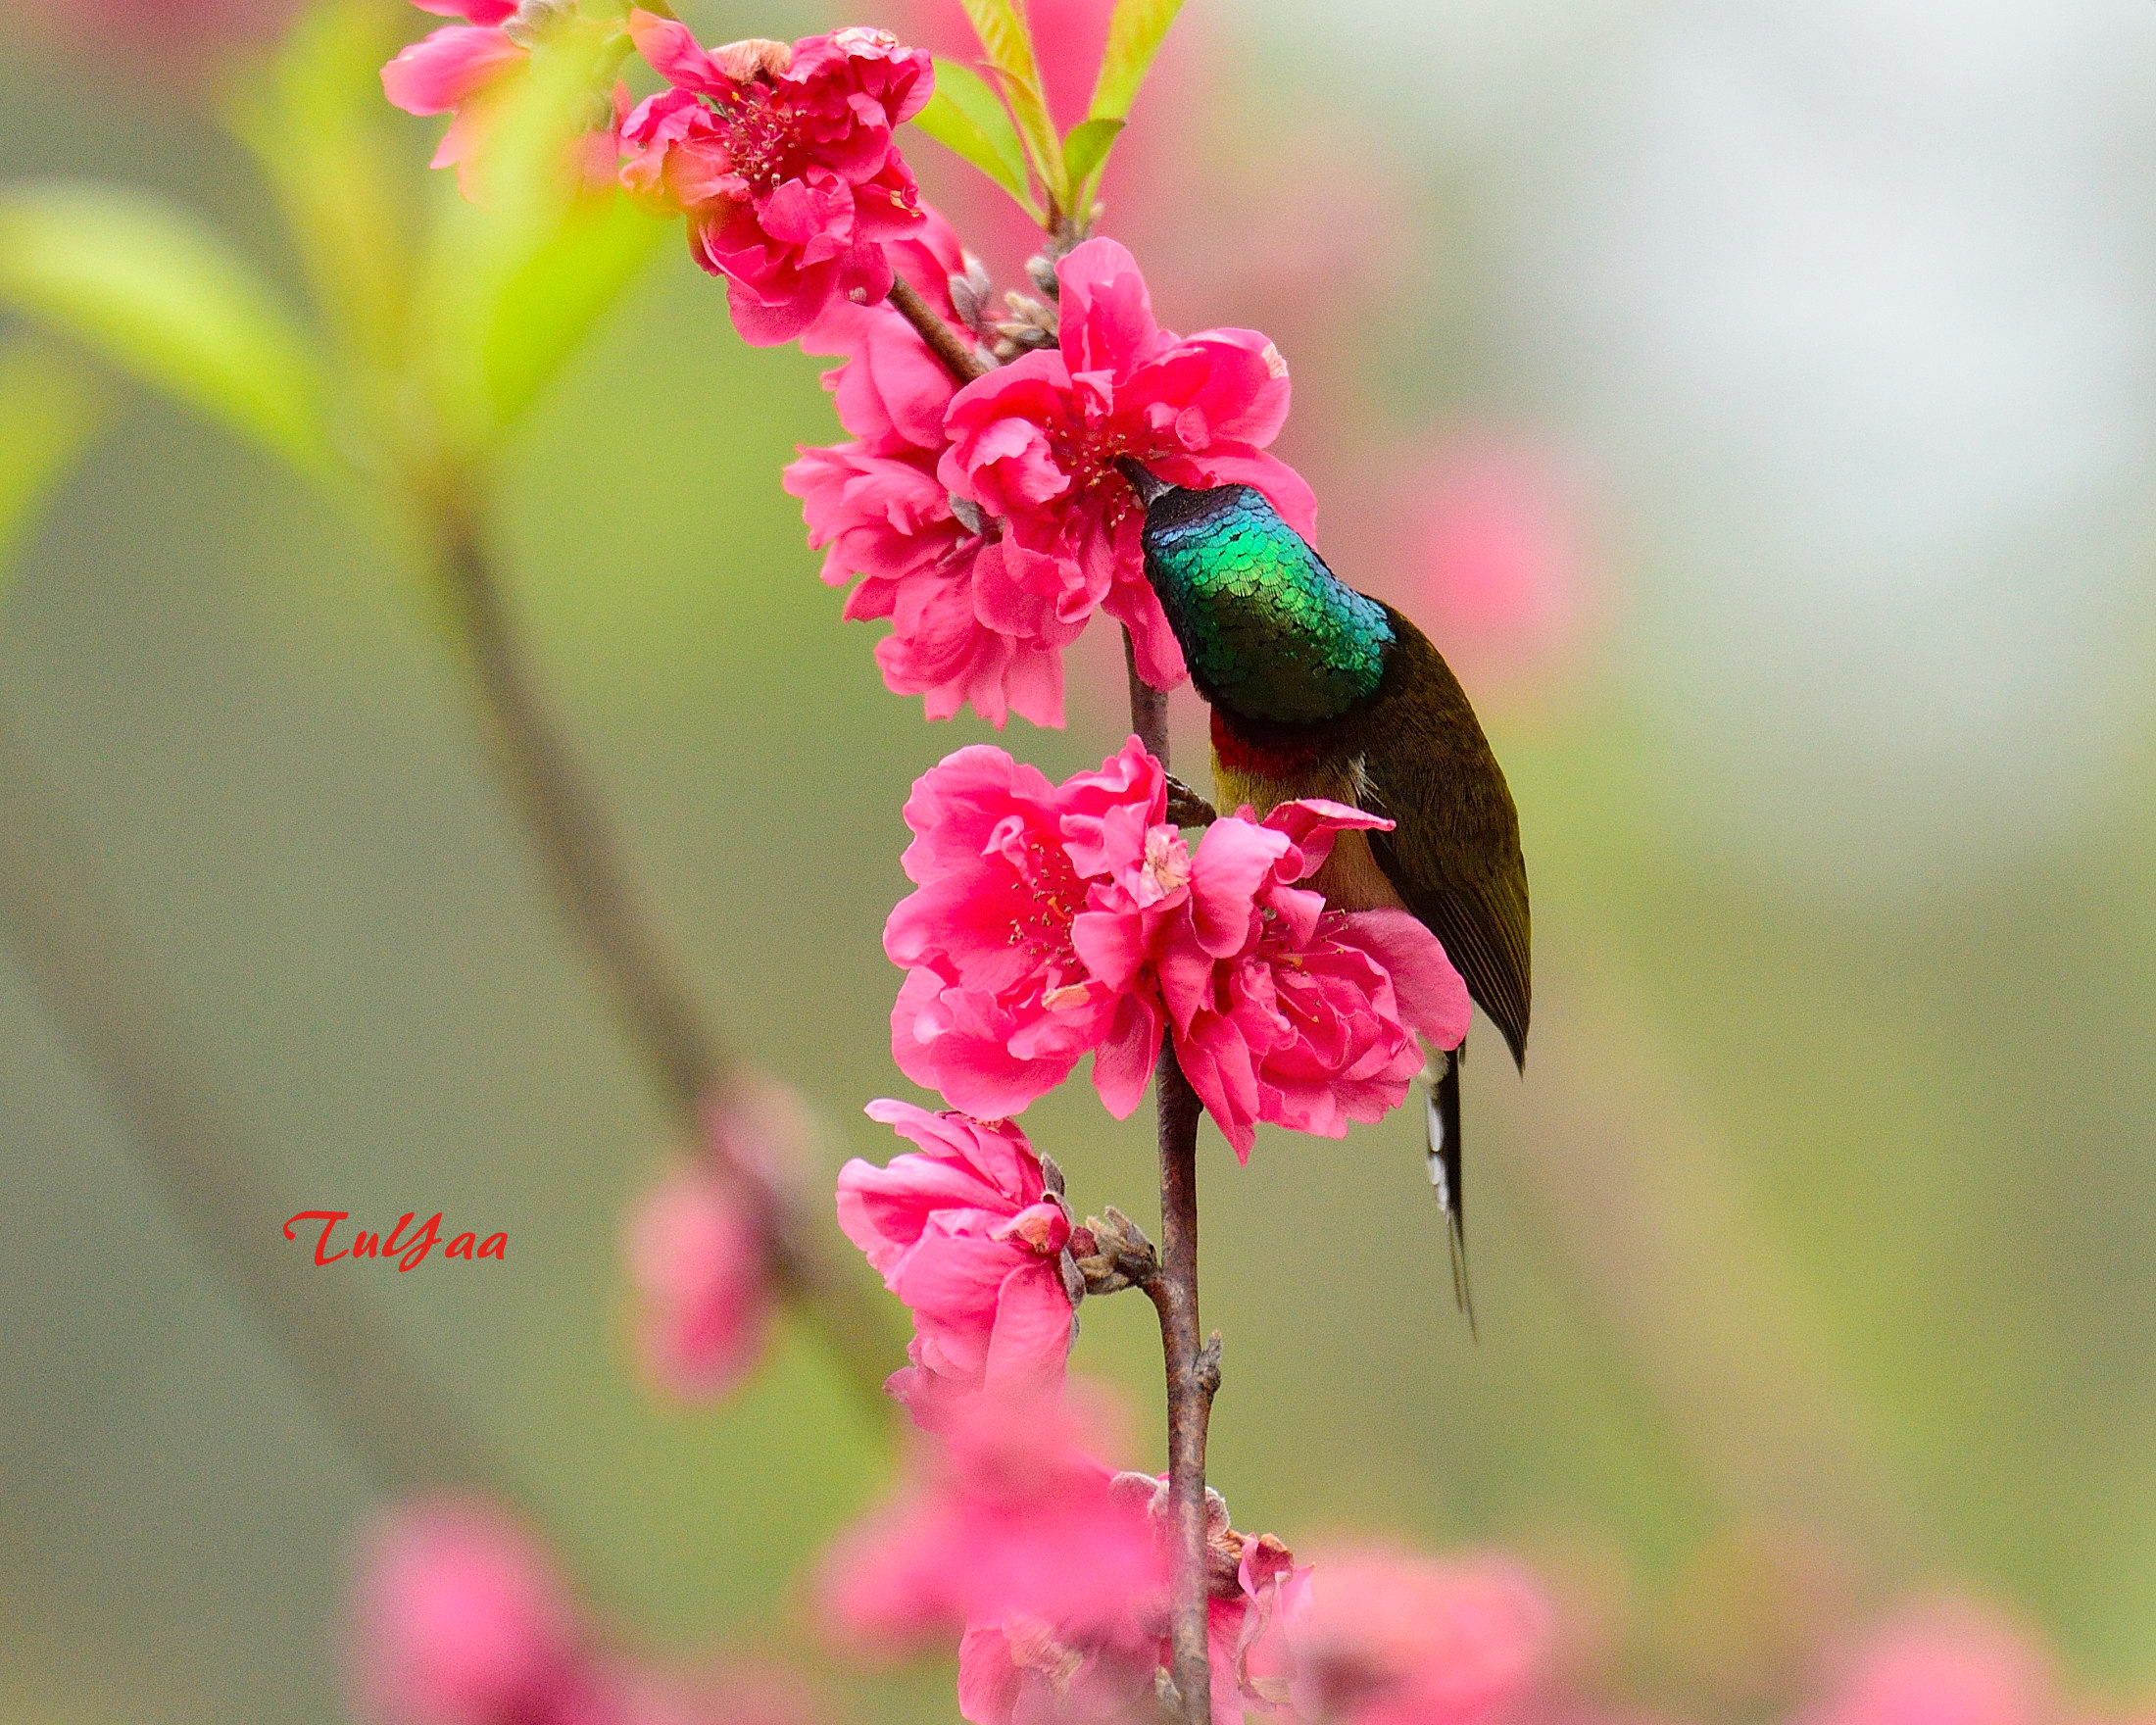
1149, 488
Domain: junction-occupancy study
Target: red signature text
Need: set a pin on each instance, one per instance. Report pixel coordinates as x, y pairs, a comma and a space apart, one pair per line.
410, 1251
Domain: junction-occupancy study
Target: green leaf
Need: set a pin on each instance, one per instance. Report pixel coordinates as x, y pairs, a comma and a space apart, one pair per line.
549, 306
966, 117
1136, 30
314, 119
1008, 42
1086, 149
148, 286
50, 407
511, 283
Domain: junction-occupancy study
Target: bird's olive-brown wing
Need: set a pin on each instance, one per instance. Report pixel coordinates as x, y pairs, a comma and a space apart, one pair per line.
1454, 854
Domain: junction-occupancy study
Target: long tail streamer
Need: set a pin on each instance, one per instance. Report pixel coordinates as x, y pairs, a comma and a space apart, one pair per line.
1442, 1116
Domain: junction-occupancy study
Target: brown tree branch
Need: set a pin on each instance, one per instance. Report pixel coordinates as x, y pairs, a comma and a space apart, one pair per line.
1193, 1370
961, 360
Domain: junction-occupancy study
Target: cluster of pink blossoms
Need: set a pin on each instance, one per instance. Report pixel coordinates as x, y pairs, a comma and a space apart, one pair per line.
782, 159
989, 523
1049, 1568
1047, 1564
1052, 921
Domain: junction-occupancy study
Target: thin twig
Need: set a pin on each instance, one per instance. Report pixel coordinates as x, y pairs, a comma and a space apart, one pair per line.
584, 866
111, 1006
958, 359
1193, 1371
588, 877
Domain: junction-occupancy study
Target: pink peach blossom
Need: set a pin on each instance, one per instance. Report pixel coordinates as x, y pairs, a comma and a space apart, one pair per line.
462, 1619
1053, 921
1248, 1628
468, 69
1947, 1663
783, 161
888, 521
878, 512
999, 1007
1281, 1010
967, 1233
697, 1255
1035, 443
1385, 1637
1010, 1534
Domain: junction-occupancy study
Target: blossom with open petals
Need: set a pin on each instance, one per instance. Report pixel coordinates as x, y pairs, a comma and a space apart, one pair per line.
1281, 1010
1035, 443
879, 513
471, 69
966, 1232
782, 159
999, 1007
1053, 921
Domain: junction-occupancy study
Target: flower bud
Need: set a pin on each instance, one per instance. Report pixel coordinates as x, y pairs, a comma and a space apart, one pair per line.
696, 1254
536, 20
753, 57
1113, 1253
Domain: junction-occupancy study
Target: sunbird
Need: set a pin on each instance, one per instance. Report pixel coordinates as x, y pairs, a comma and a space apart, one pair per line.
1317, 690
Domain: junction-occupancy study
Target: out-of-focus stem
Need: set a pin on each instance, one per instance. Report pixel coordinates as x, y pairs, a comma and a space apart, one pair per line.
583, 863
1193, 1370
103, 994
588, 876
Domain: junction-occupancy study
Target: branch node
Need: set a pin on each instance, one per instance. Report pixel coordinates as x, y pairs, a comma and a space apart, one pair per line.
942, 341
1209, 1367
1186, 808
1112, 1253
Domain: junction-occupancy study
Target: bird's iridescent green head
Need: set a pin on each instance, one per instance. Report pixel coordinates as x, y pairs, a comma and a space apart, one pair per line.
1269, 632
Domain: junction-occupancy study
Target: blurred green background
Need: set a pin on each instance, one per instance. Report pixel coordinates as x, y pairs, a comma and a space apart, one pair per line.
1816, 1254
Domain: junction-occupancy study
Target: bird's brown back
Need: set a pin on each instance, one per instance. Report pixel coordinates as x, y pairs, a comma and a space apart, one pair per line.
1454, 855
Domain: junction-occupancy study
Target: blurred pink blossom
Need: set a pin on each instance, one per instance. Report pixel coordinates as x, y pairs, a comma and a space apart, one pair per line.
1007, 1526
462, 1619
1251, 1626
1034, 443
1385, 1637
1493, 529
697, 1256
1945, 1662
469, 70
783, 161
967, 1234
